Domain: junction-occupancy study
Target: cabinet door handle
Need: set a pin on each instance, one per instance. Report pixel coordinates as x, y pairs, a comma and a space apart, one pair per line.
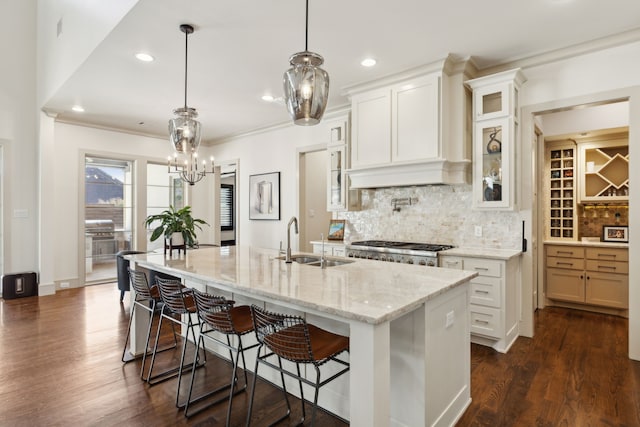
581, 276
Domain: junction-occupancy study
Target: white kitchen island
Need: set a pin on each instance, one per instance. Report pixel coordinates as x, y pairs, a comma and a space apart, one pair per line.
408, 326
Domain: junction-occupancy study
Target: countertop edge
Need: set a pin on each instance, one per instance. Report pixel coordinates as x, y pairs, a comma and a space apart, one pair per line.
587, 244
491, 253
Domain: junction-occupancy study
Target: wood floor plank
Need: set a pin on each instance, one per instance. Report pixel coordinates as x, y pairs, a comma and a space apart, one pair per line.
60, 365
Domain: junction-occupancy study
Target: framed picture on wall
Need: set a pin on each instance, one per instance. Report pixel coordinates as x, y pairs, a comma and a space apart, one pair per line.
615, 233
336, 229
264, 196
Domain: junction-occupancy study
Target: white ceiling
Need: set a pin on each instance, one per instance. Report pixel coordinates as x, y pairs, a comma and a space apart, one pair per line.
241, 48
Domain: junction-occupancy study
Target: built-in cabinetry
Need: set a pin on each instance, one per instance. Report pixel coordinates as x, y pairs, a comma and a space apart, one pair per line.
604, 171
330, 249
588, 276
583, 174
561, 188
495, 134
495, 298
339, 198
402, 129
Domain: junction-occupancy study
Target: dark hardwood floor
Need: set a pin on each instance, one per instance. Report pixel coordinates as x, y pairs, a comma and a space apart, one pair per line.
60, 365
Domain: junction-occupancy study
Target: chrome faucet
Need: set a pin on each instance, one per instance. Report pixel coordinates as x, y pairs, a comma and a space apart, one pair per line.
322, 258
294, 221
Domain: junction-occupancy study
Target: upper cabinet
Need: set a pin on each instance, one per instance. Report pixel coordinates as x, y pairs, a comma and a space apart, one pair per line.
604, 170
410, 129
339, 197
495, 135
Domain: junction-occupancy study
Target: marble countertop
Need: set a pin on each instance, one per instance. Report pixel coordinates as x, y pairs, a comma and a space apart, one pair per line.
491, 253
368, 291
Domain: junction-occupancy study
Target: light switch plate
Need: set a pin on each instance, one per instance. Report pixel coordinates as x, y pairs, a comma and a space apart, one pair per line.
478, 231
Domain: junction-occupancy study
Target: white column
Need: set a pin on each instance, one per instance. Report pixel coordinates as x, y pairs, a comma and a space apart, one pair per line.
369, 355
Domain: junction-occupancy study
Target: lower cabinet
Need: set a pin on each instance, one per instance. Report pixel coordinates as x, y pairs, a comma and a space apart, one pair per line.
330, 249
495, 299
591, 277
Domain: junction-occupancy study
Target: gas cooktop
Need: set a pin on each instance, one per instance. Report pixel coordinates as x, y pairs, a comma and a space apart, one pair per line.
426, 247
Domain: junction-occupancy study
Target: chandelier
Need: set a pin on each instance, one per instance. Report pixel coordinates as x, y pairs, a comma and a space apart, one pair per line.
306, 85
184, 133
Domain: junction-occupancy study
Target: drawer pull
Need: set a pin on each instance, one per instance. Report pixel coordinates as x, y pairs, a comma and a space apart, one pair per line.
484, 322
566, 252
479, 291
609, 255
606, 267
481, 268
570, 264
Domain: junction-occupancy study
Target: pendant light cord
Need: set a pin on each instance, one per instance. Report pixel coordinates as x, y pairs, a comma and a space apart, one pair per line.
306, 28
186, 54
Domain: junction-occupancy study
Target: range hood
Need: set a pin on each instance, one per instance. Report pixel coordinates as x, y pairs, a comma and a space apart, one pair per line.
438, 171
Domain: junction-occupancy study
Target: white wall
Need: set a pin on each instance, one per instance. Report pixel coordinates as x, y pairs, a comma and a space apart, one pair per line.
271, 151
18, 136
85, 23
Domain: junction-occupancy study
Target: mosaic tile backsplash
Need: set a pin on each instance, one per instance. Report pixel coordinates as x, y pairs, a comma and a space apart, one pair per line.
437, 214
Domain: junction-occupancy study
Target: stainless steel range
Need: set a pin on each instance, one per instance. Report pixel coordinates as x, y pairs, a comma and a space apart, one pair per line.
404, 252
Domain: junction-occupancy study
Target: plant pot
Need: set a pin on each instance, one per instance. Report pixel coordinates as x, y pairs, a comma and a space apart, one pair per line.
175, 242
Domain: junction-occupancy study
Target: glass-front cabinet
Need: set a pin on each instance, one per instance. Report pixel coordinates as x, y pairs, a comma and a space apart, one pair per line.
495, 115
339, 197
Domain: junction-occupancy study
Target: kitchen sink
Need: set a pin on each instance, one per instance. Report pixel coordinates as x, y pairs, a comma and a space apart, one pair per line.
316, 260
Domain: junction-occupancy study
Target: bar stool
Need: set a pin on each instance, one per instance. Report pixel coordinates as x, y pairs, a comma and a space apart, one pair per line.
178, 307
292, 338
147, 298
218, 316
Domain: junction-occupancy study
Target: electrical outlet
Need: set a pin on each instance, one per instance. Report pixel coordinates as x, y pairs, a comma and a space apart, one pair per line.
450, 319
64, 284
478, 231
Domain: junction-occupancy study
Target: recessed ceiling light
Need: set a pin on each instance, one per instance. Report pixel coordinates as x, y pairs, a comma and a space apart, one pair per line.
368, 62
268, 98
78, 109
144, 57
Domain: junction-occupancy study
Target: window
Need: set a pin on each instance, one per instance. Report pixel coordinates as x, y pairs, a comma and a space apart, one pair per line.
226, 207
163, 190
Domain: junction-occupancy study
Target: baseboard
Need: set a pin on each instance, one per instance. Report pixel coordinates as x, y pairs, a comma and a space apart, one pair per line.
46, 289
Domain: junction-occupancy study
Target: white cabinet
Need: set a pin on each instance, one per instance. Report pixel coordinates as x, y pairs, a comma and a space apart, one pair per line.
396, 124
495, 138
494, 300
330, 249
409, 130
339, 197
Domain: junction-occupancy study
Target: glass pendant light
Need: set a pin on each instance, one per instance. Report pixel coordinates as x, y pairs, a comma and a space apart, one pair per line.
184, 130
306, 85
184, 134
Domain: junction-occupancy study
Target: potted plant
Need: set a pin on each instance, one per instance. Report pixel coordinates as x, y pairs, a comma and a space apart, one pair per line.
177, 226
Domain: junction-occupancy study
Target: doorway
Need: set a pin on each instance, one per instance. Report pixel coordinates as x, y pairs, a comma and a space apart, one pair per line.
314, 217
530, 174
108, 215
228, 208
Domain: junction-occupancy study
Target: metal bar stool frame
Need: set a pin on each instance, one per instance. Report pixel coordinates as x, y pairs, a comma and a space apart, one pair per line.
178, 303
292, 338
147, 298
218, 316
